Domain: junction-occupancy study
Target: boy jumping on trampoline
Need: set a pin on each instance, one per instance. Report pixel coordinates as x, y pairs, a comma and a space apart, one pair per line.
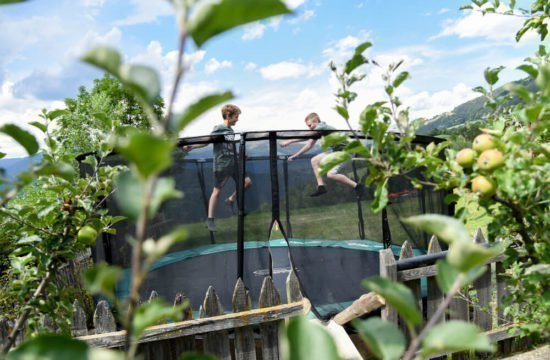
224, 164
313, 122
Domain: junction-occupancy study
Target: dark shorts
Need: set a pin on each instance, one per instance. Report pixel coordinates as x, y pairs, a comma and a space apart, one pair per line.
222, 175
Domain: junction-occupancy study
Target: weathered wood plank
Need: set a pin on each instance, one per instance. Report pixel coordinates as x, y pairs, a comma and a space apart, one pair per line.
388, 269
245, 345
203, 325
431, 270
104, 321
483, 316
435, 296
364, 305
216, 342
158, 349
293, 292
413, 285
78, 324
182, 344
269, 332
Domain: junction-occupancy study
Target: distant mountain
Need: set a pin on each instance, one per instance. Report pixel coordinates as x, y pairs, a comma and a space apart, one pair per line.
473, 110
14, 166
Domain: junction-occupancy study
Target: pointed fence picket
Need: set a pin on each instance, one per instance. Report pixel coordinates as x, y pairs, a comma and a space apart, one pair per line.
477, 306
237, 335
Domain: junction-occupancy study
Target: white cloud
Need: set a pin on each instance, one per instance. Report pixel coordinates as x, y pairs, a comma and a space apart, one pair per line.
427, 105
293, 4
214, 65
289, 69
20, 111
302, 17
443, 11
475, 24
93, 3
340, 50
250, 66
254, 31
91, 39
146, 11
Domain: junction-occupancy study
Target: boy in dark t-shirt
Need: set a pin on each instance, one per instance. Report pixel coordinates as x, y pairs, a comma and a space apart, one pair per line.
313, 122
224, 164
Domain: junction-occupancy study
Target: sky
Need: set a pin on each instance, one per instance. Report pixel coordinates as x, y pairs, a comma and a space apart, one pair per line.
277, 68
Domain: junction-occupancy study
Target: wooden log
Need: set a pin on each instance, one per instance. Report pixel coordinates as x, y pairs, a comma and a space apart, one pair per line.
204, 325
435, 296
483, 316
269, 332
388, 269
78, 323
104, 321
216, 342
414, 285
245, 345
293, 292
364, 305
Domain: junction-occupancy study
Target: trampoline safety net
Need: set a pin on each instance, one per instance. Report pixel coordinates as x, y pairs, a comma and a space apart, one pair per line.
331, 241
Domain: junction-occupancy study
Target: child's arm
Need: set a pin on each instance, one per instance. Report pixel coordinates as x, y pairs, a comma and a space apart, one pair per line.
303, 150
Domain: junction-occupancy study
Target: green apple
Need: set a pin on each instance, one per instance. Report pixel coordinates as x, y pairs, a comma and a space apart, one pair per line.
484, 186
490, 159
466, 157
87, 235
484, 142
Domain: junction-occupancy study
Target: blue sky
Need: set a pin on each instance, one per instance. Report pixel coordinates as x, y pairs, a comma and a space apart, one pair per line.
277, 68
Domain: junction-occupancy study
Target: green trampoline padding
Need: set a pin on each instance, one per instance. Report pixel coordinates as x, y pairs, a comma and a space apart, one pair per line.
123, 285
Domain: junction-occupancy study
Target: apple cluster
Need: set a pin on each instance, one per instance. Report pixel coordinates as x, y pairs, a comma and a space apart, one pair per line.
489, 158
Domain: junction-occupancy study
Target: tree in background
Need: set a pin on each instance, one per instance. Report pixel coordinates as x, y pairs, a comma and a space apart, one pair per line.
80, 129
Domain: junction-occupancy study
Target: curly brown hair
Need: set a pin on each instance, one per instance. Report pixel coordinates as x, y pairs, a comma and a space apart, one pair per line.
230, 110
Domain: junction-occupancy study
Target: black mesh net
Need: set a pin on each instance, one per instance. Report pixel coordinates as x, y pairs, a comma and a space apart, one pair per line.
332, 240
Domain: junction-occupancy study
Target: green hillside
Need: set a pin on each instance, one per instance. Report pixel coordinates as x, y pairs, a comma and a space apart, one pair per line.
470, 111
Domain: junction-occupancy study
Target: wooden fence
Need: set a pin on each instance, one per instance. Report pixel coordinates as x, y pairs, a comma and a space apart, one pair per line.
245, 333
481, 305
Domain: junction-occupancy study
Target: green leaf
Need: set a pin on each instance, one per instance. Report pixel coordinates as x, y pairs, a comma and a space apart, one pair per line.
5, 2
331, 160
129, 194
455, 336
105, 120
102, 279
444, 227
105, 58
447, 275
152, 313
380, 196
2, 155
466, 255
50, 347
342, 111
54, 114
400, 78
196, 356
383, 338
529, 69
58, 169
360, 49
143, 80
199, 107
39, 125
23, 137
397, 295
161, 247
165, 190
149, 153
491, 75
304, 340
215, 18
353, 63
333, 139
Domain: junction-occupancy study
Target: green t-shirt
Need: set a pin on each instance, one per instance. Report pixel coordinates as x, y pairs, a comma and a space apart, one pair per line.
327, 130
224, 152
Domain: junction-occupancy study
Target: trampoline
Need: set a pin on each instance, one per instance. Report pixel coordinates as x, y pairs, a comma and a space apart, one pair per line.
331, 241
